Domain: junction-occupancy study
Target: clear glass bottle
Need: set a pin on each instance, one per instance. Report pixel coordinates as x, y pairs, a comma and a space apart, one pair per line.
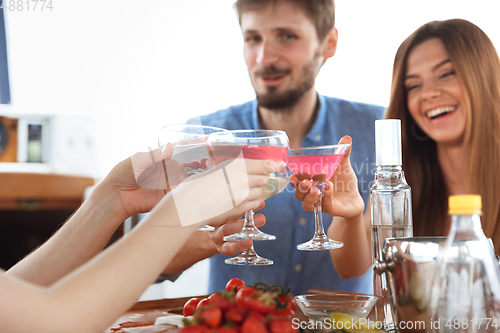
390, 207
465, 296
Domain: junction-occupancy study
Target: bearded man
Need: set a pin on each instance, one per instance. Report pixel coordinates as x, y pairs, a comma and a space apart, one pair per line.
286, 42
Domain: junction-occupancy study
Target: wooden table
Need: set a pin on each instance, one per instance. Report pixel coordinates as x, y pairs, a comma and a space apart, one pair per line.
141, 317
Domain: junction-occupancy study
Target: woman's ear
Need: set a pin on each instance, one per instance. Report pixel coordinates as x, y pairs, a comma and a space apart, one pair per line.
330, 43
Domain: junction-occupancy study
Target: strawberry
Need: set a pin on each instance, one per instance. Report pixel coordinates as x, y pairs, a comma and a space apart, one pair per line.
263, 302
281, 326
235, 315
223, 299
243, 296
285, 307
254, 323
210, 316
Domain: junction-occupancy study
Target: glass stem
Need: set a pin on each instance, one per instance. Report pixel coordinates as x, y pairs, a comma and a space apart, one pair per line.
250, 252
249, 224
319, 232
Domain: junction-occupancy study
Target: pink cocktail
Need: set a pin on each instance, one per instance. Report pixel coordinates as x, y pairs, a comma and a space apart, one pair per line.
317, 164
252, 145
276, 184
256, 152
313, 167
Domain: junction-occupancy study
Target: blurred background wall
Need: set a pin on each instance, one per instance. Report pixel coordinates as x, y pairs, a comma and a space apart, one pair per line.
136, 65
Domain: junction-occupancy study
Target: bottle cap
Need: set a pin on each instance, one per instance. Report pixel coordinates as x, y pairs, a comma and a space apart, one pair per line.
465, 204
388, 142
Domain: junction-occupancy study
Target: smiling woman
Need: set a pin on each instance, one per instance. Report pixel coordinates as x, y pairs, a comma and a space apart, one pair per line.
446, 91
435, 98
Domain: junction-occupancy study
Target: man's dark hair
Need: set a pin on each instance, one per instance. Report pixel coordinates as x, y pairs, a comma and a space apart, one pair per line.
321, 12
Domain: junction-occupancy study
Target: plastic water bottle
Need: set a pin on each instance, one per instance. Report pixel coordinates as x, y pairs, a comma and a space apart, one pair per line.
390, 206
465, 296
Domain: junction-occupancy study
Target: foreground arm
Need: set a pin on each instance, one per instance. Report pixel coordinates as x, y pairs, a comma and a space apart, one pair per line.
88, 231
90, 298
342, 201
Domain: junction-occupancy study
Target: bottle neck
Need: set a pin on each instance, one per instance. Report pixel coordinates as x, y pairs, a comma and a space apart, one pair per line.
389, 168
390, 173
467, 227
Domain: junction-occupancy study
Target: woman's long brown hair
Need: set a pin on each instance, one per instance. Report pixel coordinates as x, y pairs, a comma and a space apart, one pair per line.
477, 66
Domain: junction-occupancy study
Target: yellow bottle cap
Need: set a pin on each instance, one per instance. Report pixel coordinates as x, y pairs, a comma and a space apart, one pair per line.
465, 204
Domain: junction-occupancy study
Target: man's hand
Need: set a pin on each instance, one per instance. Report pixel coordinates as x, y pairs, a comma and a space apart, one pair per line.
341, 195
229, 228
205, 244
232, 248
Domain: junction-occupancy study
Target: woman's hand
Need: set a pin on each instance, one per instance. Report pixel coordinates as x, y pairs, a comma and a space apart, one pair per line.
341, 195
139, 182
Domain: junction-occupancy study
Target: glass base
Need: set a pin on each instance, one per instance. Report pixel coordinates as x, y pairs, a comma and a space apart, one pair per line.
207, 228
253, 234
248, 260
320, 245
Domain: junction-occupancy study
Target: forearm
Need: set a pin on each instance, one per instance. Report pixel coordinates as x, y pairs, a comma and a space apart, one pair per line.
88, 299
198, 247
92, 296
354, 258
83, 236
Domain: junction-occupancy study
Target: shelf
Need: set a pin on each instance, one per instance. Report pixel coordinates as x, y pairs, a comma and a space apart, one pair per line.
41, 191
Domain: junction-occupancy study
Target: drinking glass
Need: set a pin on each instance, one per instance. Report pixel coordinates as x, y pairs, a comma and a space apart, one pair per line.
257, 145
317, 164
190, 151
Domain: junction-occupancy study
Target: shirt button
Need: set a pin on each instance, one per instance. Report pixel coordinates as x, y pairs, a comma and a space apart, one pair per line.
302, 221
298, 267
317, 137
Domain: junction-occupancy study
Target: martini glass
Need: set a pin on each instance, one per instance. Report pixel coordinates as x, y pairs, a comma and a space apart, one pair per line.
190, 151
256, 145
317, 164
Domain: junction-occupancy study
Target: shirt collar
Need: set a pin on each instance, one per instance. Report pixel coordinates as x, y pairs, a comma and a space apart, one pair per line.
315, 135
255, 116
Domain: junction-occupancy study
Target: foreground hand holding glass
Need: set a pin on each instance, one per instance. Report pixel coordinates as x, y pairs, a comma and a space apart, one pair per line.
191, 154
253, 145
317, 164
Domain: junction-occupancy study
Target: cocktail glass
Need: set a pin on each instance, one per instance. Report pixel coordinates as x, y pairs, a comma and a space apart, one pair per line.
190, 151
317, 164
257, 145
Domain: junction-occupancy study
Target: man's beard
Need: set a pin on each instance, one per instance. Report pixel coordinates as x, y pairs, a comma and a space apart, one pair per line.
283, 101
